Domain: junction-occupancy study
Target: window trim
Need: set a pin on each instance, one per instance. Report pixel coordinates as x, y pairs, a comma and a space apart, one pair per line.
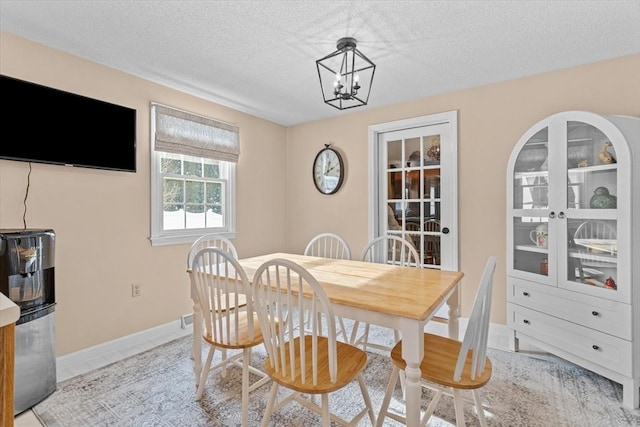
160, 237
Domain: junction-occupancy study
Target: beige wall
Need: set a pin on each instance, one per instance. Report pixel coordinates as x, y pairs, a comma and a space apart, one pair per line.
491, 119
101, 218
102, 236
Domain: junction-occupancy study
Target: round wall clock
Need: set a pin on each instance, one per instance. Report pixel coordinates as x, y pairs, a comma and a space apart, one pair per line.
328, 170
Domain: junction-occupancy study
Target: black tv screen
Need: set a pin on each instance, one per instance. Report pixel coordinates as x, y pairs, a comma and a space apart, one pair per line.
53, 126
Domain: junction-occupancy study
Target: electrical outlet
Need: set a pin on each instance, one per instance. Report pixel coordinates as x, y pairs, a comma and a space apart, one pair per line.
136, 290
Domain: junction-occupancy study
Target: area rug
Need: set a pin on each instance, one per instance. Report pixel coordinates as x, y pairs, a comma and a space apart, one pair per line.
157, 388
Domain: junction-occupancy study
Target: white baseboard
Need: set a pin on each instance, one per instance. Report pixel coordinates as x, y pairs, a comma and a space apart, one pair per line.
91, 358
100, 355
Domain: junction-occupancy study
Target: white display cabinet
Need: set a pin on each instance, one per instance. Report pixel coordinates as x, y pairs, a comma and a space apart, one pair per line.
573, 243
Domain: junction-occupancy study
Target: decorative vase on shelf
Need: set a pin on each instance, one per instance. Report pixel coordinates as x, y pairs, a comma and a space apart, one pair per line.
605, 156
601, 199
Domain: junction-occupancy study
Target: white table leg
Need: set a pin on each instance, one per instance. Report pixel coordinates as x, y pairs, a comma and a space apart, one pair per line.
412, 353
454, 313
197, 342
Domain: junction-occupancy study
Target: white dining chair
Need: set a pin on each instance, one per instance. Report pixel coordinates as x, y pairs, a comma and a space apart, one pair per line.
386, 249
330, 245
450, 366
414, 233
208, 240
302, 359
230, 323
211, 240
432, 241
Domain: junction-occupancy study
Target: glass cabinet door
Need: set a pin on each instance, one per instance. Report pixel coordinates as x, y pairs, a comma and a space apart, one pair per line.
564, 207
530, 229
591, 207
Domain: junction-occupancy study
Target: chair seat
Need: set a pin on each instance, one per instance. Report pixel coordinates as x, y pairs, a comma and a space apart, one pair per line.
352, 362
439, 362
233, 338
447, 363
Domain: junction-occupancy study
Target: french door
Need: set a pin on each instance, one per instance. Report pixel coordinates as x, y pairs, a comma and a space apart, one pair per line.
413, 185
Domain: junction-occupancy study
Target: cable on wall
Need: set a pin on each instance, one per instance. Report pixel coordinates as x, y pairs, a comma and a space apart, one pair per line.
26, 195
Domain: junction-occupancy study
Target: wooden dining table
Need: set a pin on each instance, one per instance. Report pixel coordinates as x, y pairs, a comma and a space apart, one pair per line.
392, 296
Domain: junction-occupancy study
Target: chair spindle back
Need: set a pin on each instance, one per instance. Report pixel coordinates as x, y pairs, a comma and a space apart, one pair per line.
477, 333
279, 291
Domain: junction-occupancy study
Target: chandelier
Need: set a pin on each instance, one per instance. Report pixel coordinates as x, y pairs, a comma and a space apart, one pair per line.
345, 76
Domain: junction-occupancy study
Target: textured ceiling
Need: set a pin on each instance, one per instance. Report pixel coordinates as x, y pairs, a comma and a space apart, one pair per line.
259, 56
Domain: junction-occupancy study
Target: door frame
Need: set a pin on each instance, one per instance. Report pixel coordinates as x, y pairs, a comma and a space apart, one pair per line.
447, 118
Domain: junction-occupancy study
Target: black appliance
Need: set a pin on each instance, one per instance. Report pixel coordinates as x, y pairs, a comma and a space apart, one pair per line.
27, 277
64, 128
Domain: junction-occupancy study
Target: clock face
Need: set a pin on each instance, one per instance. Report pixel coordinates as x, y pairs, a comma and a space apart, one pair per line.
328, 171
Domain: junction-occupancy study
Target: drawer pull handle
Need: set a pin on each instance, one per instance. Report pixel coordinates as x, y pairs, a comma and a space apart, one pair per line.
595, 347
526, 322
595, 313
526, 294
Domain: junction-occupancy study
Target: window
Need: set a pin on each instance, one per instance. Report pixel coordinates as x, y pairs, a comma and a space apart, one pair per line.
193, 187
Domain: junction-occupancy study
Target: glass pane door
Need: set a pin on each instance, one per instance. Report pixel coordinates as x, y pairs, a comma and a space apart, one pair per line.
414, 189
531, 232
591, 207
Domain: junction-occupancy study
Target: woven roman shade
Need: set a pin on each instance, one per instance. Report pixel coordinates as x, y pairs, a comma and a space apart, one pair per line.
181, 132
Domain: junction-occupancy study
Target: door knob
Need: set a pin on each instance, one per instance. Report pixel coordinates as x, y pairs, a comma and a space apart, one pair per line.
445, 230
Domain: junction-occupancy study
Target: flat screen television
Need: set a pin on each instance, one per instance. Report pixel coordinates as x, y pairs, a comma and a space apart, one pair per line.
53, 126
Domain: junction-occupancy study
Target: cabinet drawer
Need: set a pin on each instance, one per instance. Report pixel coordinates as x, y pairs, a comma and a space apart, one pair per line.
603, 349
610, 317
